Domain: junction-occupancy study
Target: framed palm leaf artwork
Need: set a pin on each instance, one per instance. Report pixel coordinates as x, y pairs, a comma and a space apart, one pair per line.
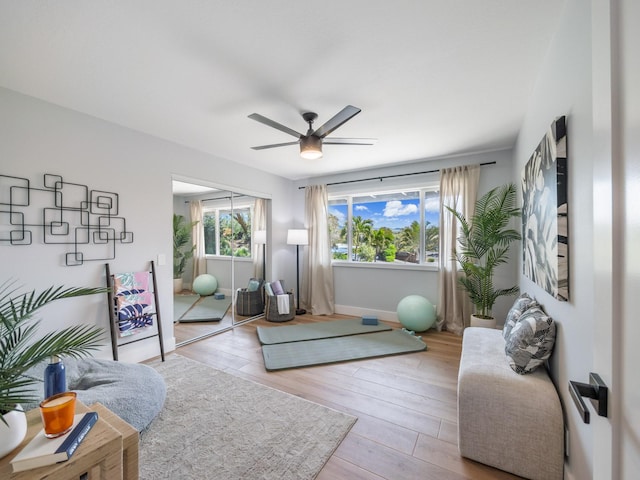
545, 245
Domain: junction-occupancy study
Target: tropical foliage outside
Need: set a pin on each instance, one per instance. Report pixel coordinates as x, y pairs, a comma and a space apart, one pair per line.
226, 234
386, 228
383, 244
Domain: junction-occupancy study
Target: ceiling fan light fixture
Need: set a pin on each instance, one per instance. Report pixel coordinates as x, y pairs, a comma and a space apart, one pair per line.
311, 147
311, 142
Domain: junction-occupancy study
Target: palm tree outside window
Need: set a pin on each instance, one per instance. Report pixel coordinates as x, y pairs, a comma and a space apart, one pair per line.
391, 227
226, 234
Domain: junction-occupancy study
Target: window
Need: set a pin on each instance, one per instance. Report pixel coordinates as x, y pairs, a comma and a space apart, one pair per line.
390, 226
431, 203
338, 228
226, 234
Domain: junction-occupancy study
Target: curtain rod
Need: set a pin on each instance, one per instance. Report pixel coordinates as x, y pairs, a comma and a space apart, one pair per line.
382, 177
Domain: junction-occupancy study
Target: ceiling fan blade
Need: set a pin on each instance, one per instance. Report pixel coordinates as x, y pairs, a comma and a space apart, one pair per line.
347, 113
267, 121
263, 147
349, 141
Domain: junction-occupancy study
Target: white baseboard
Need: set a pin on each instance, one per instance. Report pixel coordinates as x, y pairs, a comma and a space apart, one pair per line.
139, 351
145, 349
359, 311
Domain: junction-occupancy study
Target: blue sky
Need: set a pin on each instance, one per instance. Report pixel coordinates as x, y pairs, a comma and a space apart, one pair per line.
393, 214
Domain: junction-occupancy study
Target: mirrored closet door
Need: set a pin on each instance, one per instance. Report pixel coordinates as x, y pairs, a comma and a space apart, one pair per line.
231, 254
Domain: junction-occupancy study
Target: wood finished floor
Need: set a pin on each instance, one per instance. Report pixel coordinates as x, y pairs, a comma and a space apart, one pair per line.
187, 331
405, 404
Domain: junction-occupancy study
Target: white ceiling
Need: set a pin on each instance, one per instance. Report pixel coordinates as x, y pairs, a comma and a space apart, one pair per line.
432, 77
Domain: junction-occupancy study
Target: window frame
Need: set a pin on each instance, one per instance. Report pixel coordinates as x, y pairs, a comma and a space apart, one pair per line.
216, 209
348, 198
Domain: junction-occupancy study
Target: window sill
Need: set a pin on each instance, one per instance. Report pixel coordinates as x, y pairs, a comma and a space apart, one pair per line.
385, 265
228, 258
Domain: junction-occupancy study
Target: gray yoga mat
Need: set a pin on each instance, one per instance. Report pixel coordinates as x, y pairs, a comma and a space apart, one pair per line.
207, 309
182, 303
313, 331
329, 350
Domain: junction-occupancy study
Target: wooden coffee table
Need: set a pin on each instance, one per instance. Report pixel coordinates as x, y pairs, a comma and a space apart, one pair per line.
109, 452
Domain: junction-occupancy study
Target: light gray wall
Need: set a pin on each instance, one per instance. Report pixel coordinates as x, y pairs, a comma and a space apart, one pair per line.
362, 289
564, 88
230, 277
37, 137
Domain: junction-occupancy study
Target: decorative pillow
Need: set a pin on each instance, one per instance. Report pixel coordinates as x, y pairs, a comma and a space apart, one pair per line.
530, 341
268, 289
254, 285
522, 303
277, 288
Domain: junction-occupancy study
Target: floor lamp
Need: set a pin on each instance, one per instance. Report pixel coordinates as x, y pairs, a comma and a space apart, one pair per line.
260, 238
298, 237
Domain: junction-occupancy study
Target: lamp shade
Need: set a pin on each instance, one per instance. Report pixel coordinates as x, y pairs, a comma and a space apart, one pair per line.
260, 237
298, 236
311, 147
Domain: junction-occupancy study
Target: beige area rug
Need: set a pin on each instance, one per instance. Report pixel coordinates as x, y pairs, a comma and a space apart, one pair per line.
218, 426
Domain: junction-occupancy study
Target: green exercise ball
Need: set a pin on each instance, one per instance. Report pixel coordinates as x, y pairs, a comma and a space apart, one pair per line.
205, 284
416, 313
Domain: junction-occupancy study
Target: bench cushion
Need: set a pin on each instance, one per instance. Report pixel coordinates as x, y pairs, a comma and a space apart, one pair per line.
509, 421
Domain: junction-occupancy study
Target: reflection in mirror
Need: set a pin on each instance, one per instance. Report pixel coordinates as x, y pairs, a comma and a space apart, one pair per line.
224, 247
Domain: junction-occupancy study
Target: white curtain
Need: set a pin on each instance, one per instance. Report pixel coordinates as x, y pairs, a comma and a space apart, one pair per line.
458, 190
197, 237
316, 292
258, 222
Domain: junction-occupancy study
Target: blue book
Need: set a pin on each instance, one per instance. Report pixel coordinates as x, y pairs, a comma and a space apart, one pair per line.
42, 451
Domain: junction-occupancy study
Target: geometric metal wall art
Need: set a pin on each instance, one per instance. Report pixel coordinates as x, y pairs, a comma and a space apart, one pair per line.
545, 213
62, 213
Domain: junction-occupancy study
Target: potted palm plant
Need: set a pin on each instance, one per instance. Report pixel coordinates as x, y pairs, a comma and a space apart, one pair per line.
182, 248
21, 349
483, 245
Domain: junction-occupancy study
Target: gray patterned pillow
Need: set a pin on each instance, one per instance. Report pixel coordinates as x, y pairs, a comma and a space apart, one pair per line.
522, 303
530, 341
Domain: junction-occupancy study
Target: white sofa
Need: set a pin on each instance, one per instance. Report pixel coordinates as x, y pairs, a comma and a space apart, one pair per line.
509, 421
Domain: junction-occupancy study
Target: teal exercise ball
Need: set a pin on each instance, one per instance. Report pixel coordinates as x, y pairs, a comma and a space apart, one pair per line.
416, 313
205, 284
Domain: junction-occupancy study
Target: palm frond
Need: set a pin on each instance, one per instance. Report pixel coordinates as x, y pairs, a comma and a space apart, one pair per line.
484, 243
20, 346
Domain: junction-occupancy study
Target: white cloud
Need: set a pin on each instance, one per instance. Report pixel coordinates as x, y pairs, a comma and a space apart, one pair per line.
361, 208
395, 208
432, 204
342, 218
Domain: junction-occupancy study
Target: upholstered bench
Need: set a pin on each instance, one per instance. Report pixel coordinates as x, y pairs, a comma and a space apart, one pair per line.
509, 421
